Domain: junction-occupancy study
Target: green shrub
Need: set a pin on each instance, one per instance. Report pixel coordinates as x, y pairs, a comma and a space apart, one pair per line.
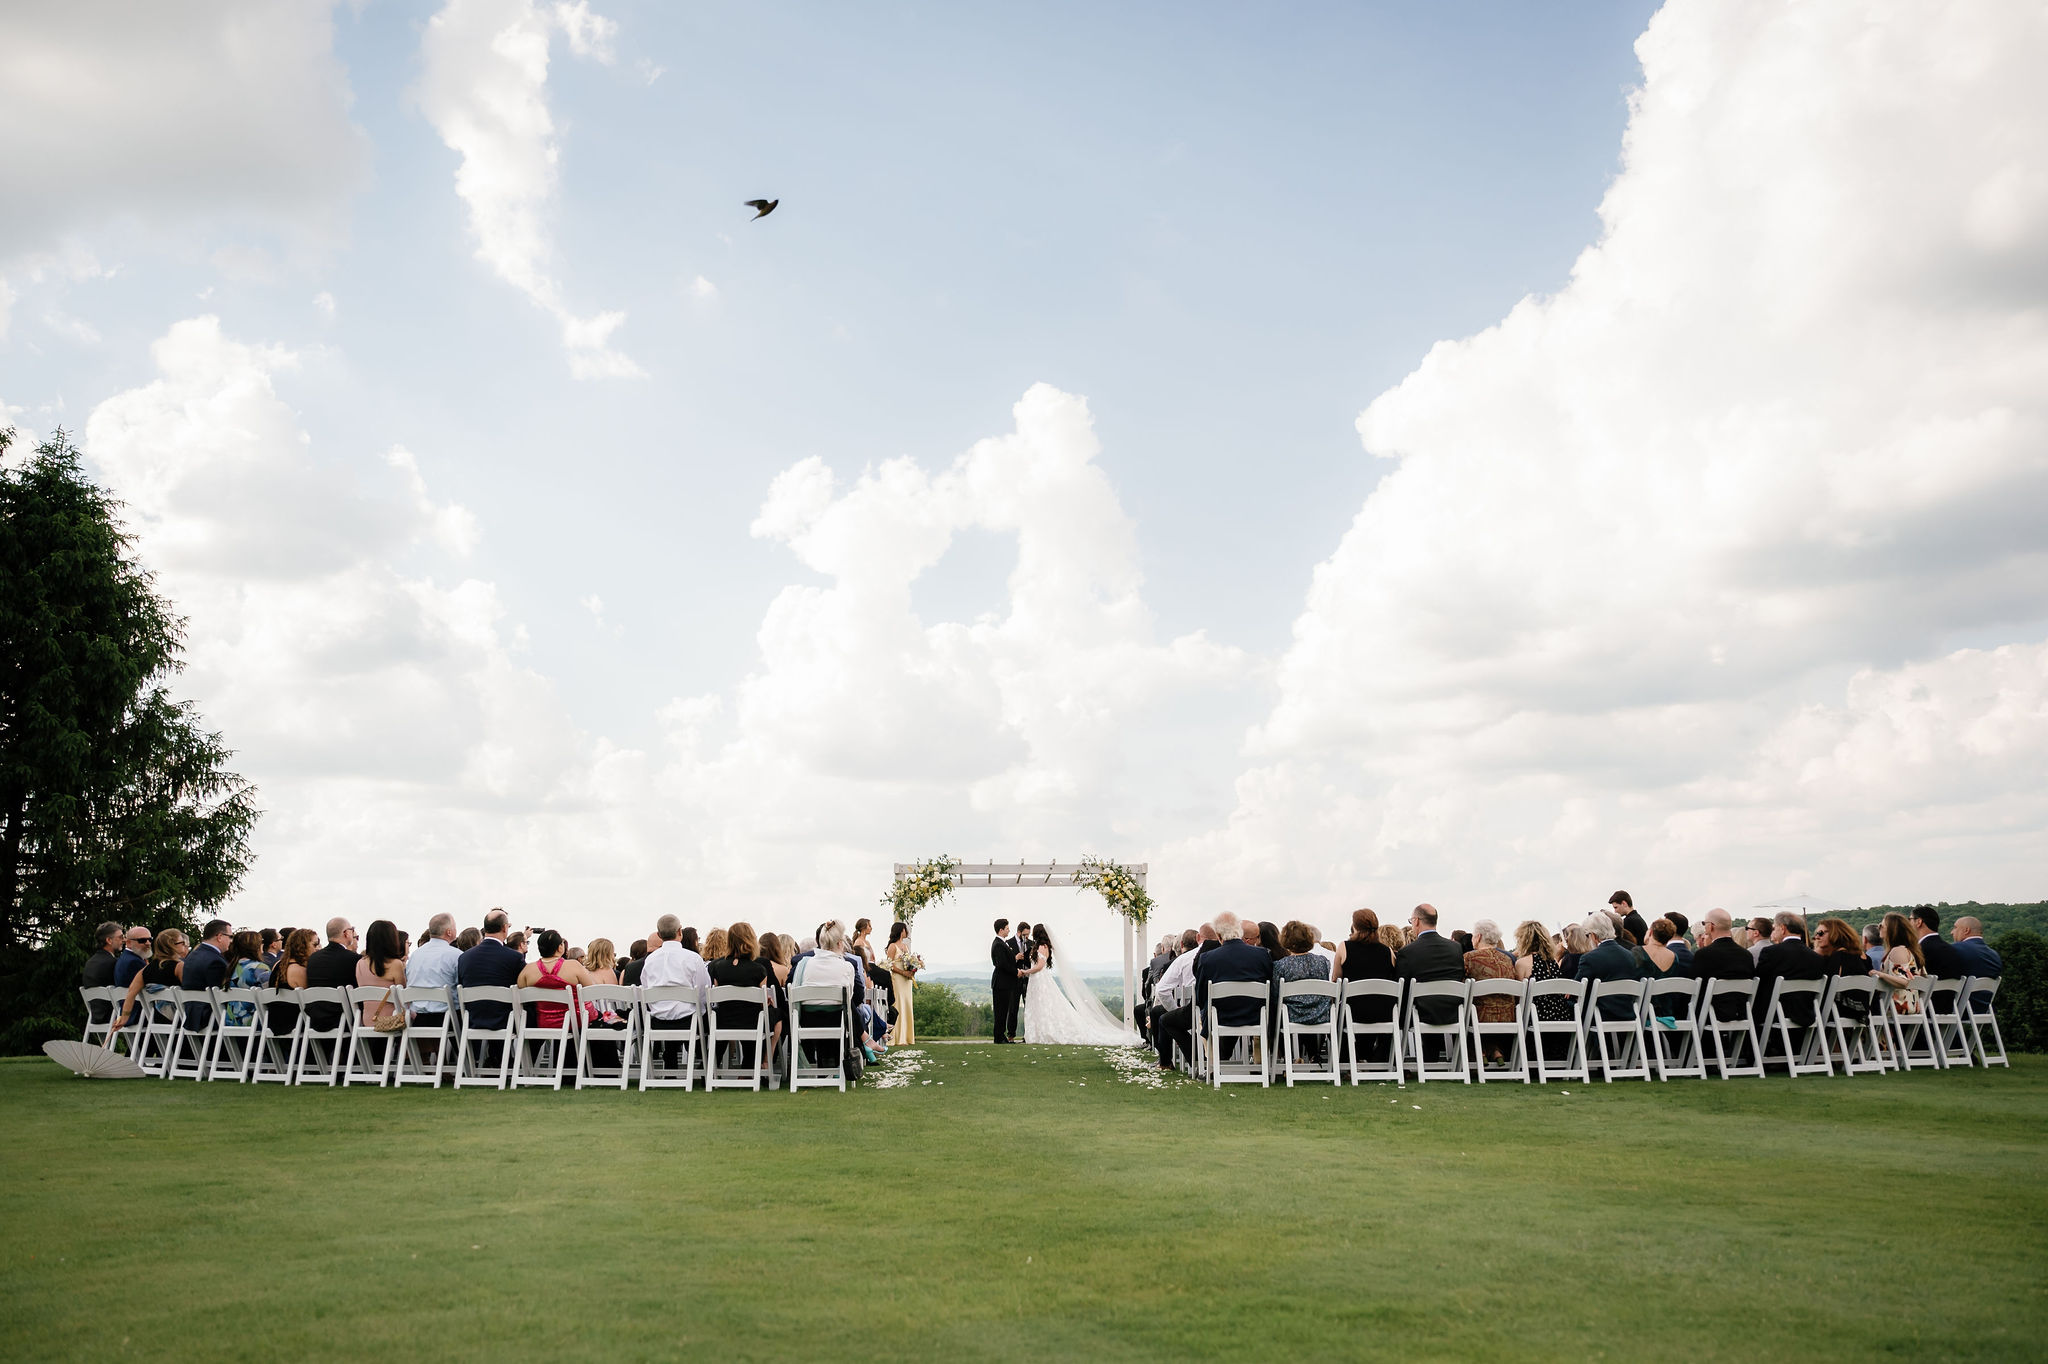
939, 1010
2023, 991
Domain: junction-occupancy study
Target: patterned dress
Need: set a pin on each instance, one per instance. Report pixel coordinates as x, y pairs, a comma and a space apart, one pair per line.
1550, 1008
1307, 966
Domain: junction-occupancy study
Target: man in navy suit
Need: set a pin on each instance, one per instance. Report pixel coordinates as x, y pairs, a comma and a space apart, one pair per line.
1943, 961
1430, 957
1609, 961
206, 966
1787, 958
1233, 961
490, 963
1680, 948
1979, 958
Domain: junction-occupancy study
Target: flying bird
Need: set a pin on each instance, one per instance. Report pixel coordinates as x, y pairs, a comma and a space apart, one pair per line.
766, 207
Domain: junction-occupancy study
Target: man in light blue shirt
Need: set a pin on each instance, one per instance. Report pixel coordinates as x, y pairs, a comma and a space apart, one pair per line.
432, 965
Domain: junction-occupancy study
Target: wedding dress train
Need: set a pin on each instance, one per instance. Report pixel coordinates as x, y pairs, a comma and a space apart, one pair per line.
1059, 1007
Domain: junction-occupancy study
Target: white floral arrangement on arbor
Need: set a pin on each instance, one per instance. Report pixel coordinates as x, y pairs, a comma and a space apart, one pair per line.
925, 883
1119, 887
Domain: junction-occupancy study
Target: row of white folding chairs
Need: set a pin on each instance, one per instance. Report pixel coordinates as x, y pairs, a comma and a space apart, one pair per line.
191, 1034
1674, 1027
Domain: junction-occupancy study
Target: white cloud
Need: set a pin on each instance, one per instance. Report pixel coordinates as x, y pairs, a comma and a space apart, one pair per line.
1667, 585
484, 88
701, 287
176, 114
74, 329
323, 304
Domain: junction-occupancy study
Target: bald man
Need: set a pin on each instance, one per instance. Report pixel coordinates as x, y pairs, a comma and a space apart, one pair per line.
1979, 957
1720, 957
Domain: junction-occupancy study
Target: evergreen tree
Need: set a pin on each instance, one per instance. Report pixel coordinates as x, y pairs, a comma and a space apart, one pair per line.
115, 801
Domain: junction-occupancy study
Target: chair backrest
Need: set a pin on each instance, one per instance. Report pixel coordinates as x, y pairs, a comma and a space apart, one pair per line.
1980, 985
1607, 991
1684, 987
1855, 985
753, 994
413, 995
620, 996
1721, 990
1500, 985
1371, 989
359, 995
803, 994
473, 995
1439, 989
237, 994
1951, 988
1295, 989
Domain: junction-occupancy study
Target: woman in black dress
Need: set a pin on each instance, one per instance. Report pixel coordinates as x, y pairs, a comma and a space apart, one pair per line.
1362, 956
742, 966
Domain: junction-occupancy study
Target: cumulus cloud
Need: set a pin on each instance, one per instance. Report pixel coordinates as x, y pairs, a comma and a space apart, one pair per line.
172, 113
484, 88
1668, 579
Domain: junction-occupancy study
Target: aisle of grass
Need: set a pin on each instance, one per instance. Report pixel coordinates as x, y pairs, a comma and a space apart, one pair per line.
1015, 1210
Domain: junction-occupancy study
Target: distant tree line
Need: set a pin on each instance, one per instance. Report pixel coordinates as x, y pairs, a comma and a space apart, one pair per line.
115, 801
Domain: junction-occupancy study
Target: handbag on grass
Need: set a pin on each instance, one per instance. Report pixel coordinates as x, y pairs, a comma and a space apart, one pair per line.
393, 1021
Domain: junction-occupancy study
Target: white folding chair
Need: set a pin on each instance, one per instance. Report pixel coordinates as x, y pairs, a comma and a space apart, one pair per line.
1980, 995
1569, 1031
1514, 1064
1452, 1064
821, 1015
541, 1055
1250, 1037
1617, 1049
369, 1055
190, 1043
1851, 1025
156, 1024
1913, 1042
736, 1044
322, 1049
1293, 1035
483, 1053
423, 1048
275, 1048
660, 1037
234, 1043
1675, 1051
1945, 1015
108, 997
1726, 1015
1799, 1055
1358, 1035
606, 1056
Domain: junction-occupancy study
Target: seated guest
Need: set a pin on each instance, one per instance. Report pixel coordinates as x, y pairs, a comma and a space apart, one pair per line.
778, 950
670, 963
575, 954
630, 973
468, 938
1178, 977
1301, 961
246, 971
714, 945
552, 971
136, 949
166, 964
1873, 944
281, 1018
332, 967
1979, 958
1574, 947
1659, 959
1943, 961
273, 946
1431, 957
829, 965
1607, 960
1488, 960
1680, 948
517, 942
206, 968
1269, 938
1537, 959
1720, 957
1902, 963
1462, 939
1841, 950
494, 965
434, 965
1234, 961
1787, 958
1251, 935
1759, 937
742, 966
601, 959
1395, 937
1365, 956
98, 973
380, 966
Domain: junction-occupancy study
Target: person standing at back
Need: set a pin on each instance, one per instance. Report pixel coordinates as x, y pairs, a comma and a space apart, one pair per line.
1624, 905
332, 967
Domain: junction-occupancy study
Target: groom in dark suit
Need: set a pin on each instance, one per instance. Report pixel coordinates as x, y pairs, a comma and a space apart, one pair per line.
1002, 981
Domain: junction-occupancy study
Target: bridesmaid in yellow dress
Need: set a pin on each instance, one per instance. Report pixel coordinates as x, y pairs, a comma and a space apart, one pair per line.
901, 974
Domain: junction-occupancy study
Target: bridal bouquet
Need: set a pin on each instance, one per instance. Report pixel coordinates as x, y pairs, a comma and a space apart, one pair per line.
910, 963
1117, 885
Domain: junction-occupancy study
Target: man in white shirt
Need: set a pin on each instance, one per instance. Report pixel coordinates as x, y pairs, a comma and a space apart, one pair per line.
671, 963
432, 966
1179, 976
829, 965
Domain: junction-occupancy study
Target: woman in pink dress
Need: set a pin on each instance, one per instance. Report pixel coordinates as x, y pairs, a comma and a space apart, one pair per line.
554, 971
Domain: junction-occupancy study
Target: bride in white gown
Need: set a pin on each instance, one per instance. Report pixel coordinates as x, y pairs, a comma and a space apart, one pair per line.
1059, 1007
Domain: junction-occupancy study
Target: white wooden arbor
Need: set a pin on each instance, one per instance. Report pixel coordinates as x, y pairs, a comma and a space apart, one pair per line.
975, 875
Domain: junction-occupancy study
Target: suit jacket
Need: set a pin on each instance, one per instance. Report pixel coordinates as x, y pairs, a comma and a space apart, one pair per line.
98, 973
1943, 963
1611, 961
1724, 959
1232, 961
1636, 924
1155, 970
1432, 957
492, 964
332, 967
1979, 958
1791, 959
1002, 960
205, 969
1682, 950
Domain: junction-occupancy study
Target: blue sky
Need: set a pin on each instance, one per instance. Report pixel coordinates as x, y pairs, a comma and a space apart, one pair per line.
1540, 658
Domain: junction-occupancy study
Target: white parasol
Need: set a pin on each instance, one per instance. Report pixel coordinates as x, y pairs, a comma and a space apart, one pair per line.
1807, 904
94, 1063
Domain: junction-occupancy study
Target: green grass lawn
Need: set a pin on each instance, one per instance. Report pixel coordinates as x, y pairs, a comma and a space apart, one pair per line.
1015, 1210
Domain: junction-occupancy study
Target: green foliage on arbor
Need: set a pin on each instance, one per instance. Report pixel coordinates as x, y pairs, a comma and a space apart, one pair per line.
115, 802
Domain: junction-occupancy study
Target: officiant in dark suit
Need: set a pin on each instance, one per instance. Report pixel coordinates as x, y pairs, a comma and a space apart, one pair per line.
1002, 981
